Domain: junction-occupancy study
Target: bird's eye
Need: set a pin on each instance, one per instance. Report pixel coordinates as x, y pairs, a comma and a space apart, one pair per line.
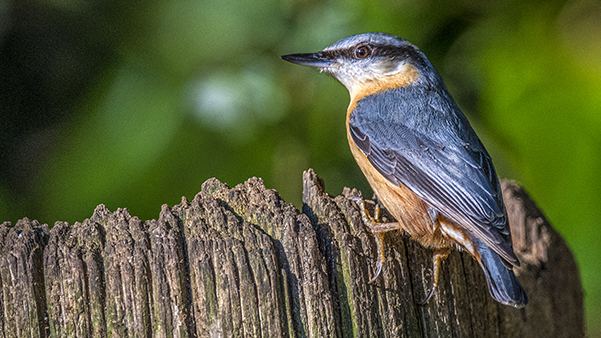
362, 52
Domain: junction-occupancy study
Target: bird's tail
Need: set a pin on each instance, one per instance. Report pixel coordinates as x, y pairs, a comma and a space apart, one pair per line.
502, 283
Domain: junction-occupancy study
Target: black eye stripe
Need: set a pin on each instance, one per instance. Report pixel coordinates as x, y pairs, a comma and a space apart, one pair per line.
399, 52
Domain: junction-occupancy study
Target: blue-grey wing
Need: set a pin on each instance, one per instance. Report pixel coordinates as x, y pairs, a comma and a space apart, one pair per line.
457, 179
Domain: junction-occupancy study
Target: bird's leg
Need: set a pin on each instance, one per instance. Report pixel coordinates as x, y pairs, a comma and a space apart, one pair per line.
378, 229
439, 255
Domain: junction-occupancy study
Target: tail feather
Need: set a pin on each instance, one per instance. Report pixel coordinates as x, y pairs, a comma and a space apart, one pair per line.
502, 283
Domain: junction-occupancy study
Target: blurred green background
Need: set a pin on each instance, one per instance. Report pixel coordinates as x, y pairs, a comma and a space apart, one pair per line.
136, 103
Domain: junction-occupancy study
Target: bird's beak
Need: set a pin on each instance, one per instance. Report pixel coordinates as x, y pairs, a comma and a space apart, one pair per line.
309, 59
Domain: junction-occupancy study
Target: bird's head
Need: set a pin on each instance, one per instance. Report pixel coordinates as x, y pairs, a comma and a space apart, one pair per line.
369, 63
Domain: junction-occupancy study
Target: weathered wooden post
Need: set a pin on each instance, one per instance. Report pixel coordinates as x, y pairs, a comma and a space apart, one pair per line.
241, 262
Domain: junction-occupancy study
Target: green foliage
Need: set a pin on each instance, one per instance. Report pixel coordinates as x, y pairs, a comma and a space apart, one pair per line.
136, 105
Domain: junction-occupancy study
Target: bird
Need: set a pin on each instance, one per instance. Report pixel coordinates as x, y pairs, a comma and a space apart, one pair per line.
420, 155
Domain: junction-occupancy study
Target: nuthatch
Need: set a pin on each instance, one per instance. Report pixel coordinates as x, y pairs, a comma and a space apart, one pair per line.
421, 157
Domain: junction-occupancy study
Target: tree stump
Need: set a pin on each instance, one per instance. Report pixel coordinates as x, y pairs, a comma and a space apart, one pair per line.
241, 262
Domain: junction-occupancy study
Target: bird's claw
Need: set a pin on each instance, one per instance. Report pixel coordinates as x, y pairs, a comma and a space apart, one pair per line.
439, 255
373, 224
378, 270
425, 300
370, 221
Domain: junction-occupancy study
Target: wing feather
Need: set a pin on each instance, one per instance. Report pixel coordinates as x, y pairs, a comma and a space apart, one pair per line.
458, 180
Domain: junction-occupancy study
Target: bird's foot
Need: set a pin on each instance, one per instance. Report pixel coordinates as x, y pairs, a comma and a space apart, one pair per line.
378, 229
439, 255
369, 221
